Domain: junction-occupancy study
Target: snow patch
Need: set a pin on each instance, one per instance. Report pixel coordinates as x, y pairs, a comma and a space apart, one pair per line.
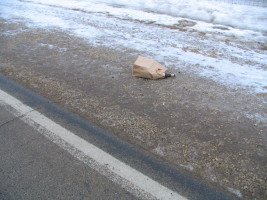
240, 16
188, 167
241, 20
158, 151
235, 192
53, 47
91, 20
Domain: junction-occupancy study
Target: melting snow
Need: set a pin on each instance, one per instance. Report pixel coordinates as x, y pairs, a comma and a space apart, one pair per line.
142, 25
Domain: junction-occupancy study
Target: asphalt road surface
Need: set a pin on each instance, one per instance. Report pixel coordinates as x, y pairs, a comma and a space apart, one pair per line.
48, 153
32, 167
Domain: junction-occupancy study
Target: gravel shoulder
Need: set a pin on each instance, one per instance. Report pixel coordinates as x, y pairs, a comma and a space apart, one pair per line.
193, 123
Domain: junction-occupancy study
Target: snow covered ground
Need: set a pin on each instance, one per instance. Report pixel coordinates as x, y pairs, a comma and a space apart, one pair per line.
221, 41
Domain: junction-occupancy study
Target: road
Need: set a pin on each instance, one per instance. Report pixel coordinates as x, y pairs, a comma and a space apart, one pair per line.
209, 121
32, 167
44, 159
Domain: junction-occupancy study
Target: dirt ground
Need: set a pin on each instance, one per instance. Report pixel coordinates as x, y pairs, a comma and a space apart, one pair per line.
194, 123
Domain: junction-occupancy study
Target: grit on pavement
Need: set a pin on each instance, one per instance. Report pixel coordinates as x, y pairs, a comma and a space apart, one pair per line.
192, 122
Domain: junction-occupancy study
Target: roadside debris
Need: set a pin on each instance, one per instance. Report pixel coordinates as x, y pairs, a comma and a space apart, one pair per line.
150, 69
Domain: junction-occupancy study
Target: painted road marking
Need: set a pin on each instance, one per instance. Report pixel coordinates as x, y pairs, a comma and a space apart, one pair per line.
130, 179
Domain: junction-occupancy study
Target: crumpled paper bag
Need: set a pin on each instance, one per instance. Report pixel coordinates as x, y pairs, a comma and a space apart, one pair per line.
147, 68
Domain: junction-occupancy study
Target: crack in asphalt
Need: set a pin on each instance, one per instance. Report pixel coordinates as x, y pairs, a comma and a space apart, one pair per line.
18, 117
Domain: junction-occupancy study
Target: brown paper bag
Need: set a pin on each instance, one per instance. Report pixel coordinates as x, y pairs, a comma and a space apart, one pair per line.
147, 68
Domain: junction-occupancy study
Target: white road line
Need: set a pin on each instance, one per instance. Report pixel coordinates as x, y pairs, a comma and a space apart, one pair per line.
130, 179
